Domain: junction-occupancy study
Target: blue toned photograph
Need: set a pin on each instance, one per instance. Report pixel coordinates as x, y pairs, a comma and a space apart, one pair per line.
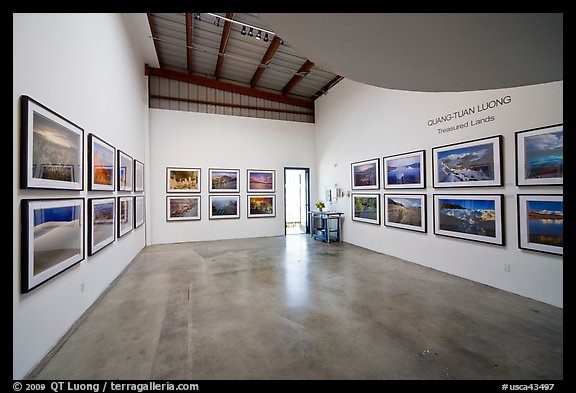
470, 216
405, 170
472, 163
546, 222
544, 155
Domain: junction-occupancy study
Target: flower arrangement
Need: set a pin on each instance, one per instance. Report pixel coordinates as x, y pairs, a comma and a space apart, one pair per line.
320, 205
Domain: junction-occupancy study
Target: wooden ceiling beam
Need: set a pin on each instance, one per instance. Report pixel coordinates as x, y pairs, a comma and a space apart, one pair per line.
223, 44
270, 52
302, 72
328, 86
226, 86
189, 42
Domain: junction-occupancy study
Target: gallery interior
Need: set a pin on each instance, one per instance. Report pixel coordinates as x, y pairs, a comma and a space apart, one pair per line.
270, 196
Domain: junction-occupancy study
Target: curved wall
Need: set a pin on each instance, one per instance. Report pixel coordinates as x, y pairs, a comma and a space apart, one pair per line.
356, 122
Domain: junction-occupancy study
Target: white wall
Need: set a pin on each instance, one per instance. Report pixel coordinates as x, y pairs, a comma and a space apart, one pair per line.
86, 68
356, 122
187, 139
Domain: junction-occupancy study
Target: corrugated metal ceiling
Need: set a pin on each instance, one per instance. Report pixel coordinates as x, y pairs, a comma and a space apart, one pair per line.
242, 56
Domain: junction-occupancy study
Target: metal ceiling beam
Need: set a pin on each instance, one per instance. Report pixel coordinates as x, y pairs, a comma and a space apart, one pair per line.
188, 41
226, 86
327, 86
223, 44
302, 72
153, 31
272, 48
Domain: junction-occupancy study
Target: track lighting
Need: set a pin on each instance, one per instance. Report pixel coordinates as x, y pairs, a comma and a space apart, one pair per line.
251, 32
266, 37
197, 16
259, 35
217, 22
243, 32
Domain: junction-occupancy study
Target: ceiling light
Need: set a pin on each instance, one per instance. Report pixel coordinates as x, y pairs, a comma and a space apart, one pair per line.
217, 22
266, 37
243, 32
259, 35
251, 32
197, 17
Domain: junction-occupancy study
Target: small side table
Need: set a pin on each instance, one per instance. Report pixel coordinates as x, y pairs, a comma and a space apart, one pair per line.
321, 228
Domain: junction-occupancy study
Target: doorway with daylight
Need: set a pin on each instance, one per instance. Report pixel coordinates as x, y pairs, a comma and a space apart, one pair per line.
297, 200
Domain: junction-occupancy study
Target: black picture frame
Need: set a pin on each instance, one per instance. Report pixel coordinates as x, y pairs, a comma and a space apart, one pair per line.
183, 207
138, 176
540, 156
100, 151
360, 203
139, 210
46, 225
101, 212
405, 211
44, 137
124, 219
365, 175
261, 209
474, 163
183, 180
404, 164
260, 180
223, 180
125, 170
541, 223
220, 212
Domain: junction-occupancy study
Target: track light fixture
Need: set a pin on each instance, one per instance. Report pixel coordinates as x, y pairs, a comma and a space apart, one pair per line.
246, 28
266, 37
217, 22
243, 32
251, 32
197, 16
259, 35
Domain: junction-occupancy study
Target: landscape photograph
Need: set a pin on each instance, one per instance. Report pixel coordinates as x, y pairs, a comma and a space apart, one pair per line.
261, 206
366, 208
56, 150
124, 171
405, 170
468, 216
224, 206
102, 221
544, 155
138, 211
224, 180
138, 176
57, 236
260, 180
467, 164
183, 180
404, 210
365, 174
546, 222
125, 211
102, 165
183, 208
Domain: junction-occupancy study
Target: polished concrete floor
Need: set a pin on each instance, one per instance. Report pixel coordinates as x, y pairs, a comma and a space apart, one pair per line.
295, 308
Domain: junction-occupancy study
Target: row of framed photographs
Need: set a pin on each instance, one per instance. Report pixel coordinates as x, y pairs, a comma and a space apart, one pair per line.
187, 208
52, 155
53, 232
471, 217
476, 163
188, 180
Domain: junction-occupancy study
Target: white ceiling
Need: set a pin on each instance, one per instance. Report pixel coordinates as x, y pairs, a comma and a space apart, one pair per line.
429, 52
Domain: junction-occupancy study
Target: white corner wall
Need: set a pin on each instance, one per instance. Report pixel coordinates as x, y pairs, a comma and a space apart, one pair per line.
86, 68
355, 121
199, 140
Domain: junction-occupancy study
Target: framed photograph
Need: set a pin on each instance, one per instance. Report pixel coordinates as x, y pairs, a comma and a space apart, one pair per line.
261, 180
125, 166
101, 223
224, 206
183, 180
405, 211
138, 176
540, 156
405, 170
101, 165
125, 212
470, 217
138, 210
366, 175
52, 239
476, 163
224, 180
182, 208
261, 206
366, 208
541, 223
51, 149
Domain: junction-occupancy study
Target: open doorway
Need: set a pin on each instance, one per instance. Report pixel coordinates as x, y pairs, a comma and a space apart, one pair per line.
297, 200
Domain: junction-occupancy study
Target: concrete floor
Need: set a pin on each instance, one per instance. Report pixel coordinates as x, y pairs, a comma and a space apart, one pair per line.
295, 308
